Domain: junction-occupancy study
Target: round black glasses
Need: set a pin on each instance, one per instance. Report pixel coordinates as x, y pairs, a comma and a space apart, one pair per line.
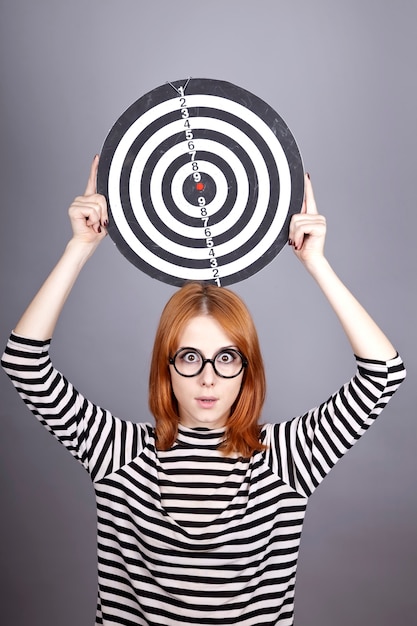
227, 362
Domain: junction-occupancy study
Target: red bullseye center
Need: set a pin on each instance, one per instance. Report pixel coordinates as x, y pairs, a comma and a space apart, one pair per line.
199, 186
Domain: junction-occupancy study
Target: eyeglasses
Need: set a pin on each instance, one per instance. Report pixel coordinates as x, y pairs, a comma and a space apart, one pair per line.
227, 363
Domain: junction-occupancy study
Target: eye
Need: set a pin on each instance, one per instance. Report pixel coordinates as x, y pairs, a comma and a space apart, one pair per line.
189, 356
226, 356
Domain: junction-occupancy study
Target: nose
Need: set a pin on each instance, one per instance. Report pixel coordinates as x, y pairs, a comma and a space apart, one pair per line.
208, 375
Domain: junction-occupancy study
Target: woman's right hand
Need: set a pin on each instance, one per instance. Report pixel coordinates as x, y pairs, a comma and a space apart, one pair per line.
88, 213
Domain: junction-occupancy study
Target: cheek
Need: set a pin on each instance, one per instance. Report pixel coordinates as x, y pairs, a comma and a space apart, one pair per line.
178, 385
234, 393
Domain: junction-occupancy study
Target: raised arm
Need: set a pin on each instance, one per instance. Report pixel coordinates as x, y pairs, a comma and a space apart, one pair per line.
88, 215
307, 236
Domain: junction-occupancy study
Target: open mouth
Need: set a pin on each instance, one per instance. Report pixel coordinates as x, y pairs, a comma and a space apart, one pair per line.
206, 402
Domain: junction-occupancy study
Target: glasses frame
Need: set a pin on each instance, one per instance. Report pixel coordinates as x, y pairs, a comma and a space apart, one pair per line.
205, 361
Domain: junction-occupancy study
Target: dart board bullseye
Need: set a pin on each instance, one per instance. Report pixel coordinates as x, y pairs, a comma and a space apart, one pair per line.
201, 178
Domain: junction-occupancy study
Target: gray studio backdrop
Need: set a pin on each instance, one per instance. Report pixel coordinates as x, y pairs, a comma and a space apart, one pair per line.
342, 74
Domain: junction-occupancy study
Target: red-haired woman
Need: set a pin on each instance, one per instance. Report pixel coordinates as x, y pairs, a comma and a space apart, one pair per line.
200, 515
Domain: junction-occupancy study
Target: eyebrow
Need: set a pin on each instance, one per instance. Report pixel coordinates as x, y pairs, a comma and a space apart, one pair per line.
201, 352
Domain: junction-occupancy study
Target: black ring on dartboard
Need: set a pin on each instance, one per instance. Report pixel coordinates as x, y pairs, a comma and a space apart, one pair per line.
142, 225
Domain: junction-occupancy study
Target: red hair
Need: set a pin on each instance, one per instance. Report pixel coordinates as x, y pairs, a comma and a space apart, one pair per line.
242, 429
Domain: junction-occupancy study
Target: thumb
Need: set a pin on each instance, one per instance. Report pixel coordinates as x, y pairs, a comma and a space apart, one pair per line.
92, 179
309, 204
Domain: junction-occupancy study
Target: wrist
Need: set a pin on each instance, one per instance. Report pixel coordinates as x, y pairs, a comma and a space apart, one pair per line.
317, 265
78, 250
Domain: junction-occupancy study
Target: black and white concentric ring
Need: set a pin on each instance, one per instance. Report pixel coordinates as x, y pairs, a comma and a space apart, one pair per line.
248, 160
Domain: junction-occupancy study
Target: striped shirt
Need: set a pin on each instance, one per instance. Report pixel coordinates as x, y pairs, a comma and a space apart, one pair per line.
188, 536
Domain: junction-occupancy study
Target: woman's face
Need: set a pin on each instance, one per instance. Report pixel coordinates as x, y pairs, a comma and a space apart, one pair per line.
205, 400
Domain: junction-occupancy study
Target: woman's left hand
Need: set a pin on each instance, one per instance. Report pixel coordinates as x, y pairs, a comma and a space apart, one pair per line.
308, 229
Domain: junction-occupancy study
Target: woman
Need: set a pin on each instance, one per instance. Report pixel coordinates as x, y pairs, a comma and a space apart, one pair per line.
200, 517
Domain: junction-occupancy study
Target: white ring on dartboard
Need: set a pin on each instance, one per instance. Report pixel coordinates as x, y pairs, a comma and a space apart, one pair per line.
186, 207
187, 273
155, 245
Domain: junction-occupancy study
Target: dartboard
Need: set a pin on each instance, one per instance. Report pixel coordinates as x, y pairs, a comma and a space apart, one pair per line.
201, 178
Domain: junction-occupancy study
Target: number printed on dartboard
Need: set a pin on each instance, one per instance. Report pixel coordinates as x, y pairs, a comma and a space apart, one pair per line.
199, 185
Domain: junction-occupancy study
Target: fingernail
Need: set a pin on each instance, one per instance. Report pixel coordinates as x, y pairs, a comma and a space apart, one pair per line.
290, 242
99, 229
308, 175
106, 223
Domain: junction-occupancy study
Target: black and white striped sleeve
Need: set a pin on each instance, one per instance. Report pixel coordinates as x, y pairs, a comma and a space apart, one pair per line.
303, 450
101, 442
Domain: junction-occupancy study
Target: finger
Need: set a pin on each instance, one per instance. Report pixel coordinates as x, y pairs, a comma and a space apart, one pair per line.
299, 228
101, 203
95, 202
86, 213
309, 204
308, 228
303, 226
92, 179
92, 219
304, 205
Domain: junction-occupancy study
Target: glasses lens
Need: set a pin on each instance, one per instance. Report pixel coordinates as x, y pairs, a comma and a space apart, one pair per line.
228, 363
188, 362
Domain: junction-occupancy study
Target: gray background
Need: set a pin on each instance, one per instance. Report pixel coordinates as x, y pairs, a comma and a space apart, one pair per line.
343, 76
